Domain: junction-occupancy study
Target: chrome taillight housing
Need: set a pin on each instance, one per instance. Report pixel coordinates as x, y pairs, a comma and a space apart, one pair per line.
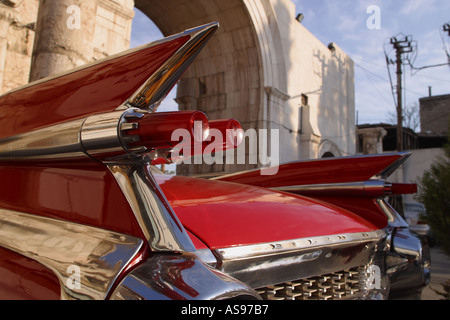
123, 135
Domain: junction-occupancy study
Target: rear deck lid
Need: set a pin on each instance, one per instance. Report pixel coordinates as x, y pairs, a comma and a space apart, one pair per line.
225, 214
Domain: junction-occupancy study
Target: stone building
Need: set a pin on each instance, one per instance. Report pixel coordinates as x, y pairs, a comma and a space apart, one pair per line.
17, 30
263, 67
435, 114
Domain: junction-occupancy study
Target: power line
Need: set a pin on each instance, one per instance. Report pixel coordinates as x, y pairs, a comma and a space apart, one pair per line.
433, 78
445, 28
374, 74
379, 92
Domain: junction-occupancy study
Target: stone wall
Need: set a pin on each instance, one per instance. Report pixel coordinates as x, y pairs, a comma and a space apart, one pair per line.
435, 114
113, 27
104, 29
17, 29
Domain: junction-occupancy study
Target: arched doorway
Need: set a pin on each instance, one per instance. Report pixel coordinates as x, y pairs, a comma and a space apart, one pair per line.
329, 149
327, 154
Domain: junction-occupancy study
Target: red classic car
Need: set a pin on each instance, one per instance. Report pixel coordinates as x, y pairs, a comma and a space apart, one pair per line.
85, 215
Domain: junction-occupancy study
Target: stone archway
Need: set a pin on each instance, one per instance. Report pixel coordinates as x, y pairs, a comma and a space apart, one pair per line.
329, 149
231, 76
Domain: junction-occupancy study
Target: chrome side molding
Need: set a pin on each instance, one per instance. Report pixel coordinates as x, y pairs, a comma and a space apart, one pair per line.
99, 255
290, 246
372, 188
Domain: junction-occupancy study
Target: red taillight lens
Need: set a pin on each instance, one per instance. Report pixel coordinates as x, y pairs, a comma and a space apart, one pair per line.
231, 132
154, 130
403, 188
222, 135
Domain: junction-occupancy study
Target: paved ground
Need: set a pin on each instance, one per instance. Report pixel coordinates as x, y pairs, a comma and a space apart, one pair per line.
440, 273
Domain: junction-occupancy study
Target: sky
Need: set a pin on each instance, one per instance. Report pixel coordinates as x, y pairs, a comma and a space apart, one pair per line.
364, 35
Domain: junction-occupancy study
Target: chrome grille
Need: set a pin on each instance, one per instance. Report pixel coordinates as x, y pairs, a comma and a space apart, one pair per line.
349, 284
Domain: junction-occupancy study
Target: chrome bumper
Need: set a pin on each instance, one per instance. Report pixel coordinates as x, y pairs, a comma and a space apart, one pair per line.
408, 263
180, 277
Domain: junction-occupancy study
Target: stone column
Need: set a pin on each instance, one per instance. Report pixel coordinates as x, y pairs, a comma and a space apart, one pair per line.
372, 139
64, 36
5, 22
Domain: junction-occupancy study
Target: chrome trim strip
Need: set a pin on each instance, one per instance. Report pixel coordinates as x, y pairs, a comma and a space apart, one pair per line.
180, 277
160, 225
99, 255
375, 188
289, 246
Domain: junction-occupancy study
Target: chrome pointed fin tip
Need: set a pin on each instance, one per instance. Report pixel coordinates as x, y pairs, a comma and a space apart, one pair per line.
388, 171
158, 85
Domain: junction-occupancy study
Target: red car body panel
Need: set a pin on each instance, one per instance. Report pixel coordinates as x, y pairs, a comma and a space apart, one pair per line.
228, 214
22, 278
82, 194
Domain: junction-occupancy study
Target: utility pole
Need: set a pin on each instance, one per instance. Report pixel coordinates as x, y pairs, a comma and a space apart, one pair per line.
401, 47
398, 61
446, 28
